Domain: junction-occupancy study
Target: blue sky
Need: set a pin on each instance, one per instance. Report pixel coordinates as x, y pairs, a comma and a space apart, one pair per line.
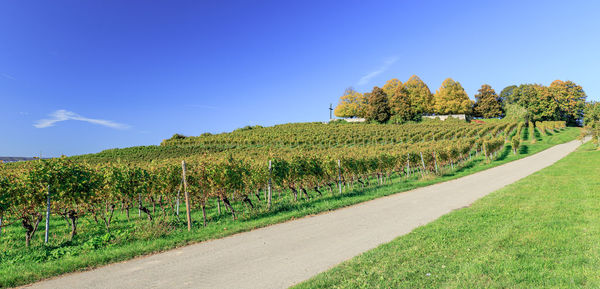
82, 76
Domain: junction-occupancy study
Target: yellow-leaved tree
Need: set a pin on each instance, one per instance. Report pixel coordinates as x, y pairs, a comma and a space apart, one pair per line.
571, 100
420, 96
451, 98
352, 104
390, 87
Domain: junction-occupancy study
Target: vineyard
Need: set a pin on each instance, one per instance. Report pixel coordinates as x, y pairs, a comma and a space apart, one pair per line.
187, 183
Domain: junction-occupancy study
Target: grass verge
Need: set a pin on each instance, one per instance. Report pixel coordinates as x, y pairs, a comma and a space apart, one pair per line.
93, 247
541, 231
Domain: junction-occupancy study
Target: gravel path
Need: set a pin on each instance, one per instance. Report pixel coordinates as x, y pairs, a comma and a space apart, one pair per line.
281, 255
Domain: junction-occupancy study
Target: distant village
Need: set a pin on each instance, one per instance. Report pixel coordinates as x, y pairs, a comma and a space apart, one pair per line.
14, 159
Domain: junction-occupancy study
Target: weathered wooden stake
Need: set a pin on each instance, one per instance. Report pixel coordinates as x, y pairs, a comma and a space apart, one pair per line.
408, 164
435, 162
187, 197
340, 176
47, 216
422, 162
270, 193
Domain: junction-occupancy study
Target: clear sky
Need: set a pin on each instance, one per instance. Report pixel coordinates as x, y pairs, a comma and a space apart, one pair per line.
82, 76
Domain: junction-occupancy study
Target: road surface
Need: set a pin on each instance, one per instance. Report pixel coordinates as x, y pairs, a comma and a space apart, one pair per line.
285, 254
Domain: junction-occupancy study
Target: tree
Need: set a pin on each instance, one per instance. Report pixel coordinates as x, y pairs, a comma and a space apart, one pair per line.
352, 104
419, 94
451, 98
390, 87
542, 105
571, 100
487, 103
591, 113
507, 95
401, 106
378, 109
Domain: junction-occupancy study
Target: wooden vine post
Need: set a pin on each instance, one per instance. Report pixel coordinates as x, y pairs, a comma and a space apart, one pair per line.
270, 188
340, 176
422, 162
408, 164
435, 162
187, 197
47, 216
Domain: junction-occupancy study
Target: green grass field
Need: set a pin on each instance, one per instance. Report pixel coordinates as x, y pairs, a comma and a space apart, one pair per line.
542, 231
92, 247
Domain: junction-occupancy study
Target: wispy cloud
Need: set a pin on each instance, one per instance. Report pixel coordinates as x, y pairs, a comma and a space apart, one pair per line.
386, 65
64, 115
202, 106
6, 75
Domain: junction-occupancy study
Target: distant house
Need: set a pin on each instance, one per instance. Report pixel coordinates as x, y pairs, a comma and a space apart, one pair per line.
444, 117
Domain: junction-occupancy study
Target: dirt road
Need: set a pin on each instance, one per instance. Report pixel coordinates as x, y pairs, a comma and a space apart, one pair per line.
285, 254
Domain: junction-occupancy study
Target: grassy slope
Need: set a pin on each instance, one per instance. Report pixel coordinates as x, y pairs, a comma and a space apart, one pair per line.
19, 265
542, 231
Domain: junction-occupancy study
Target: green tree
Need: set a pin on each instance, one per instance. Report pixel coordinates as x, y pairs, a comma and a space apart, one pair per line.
419, 94
487, 103
352, 104
507, 95
591, 113
451, 98
570, 98
542, 105
400, 106
378, 109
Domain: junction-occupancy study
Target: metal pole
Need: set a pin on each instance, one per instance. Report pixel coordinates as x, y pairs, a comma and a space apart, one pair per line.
47, 216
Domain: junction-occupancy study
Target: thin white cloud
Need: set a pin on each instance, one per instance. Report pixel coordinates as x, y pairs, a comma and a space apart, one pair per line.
202, 106
386, 65
6, 75
64, 115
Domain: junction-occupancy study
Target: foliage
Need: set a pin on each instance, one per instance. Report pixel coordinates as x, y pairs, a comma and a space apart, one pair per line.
591, 113
451, 98
420, 96
507, 95
515, 112
390, 87
487, 103
570, 98
378, 109
401, 106
352, 104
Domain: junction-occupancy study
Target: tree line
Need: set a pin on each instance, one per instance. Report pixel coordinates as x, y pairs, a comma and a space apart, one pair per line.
398, 102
